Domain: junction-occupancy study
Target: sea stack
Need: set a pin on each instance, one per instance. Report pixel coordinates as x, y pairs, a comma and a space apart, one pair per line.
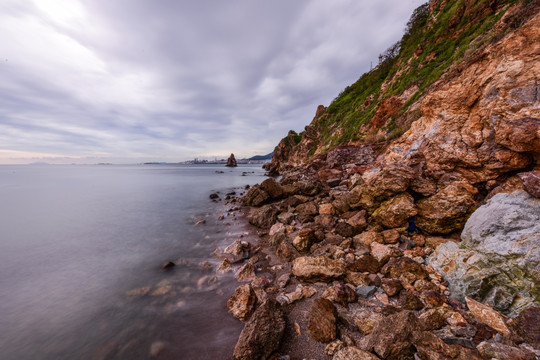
231, 161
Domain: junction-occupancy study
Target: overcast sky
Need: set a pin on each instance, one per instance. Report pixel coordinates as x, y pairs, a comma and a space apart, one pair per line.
85, 81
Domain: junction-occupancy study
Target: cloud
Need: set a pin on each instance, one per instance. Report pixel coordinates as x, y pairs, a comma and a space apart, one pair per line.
138, 80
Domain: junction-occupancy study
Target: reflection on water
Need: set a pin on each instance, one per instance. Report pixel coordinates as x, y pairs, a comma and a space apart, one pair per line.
80, 251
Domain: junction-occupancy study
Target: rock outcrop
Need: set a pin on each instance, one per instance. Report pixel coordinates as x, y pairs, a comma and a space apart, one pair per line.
231, 161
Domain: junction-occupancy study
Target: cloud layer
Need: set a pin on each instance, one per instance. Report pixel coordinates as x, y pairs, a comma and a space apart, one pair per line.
168, 80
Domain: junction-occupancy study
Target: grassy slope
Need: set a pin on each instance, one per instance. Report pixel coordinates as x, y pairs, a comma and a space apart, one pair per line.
451, 34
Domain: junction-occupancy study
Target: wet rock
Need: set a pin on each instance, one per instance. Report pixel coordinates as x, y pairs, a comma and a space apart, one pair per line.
527, 325
485, 314
276, 228
366, 320
256, 196
391, 338
396, 211
263, 217
224, 267
168, 265
262, 333
322, 321
238, 248
531, 182
317, 268
242, 302
272, 188
353, 353
286, 251
493, 350
303, 240
340, 293
139, 291
246, 273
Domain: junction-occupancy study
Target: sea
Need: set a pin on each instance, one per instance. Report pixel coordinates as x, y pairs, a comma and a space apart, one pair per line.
81, 248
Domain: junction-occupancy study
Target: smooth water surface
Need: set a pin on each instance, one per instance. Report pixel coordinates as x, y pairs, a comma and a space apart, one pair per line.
80, 251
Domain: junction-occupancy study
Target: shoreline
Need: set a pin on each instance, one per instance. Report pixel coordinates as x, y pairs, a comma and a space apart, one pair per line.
369, 294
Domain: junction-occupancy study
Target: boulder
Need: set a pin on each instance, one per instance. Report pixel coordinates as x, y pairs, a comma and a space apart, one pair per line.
303, 240
309, 208
246, 273
272, 188
317, 268
391, 338
498, 262
256, 196
531, 182
527, 325
508, 225
381, 252
262, 334
446, 211
263, 217
365, 263
340, 293
242, 302
487, 315
396, 211
366, 238
322, 321
366, 320
431, 347
493, 350
405, 269
353, 353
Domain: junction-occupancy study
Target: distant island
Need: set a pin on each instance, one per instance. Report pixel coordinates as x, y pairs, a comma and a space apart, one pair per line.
258, 159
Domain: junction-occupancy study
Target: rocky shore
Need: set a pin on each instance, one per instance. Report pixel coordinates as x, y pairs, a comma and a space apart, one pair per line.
405, 223
338, 272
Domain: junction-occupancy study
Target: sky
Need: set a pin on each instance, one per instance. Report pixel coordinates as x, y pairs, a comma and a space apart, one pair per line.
127, 81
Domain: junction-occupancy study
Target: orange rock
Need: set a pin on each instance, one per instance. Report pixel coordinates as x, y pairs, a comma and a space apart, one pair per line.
487, 315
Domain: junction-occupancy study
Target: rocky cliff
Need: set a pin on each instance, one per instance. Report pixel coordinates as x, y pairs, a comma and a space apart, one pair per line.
458, 93
405, 222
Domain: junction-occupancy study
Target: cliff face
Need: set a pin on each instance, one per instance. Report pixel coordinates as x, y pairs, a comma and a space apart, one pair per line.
459, 94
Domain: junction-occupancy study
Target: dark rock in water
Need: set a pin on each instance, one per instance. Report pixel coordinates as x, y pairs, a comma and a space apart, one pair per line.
214, 196
231, 161
322, 321
168, 265
242, 302
262, 334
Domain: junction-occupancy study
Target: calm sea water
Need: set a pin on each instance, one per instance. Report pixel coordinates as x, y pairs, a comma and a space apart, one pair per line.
80, 251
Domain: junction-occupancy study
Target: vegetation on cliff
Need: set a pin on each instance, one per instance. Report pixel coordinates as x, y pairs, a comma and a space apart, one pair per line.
382, 104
